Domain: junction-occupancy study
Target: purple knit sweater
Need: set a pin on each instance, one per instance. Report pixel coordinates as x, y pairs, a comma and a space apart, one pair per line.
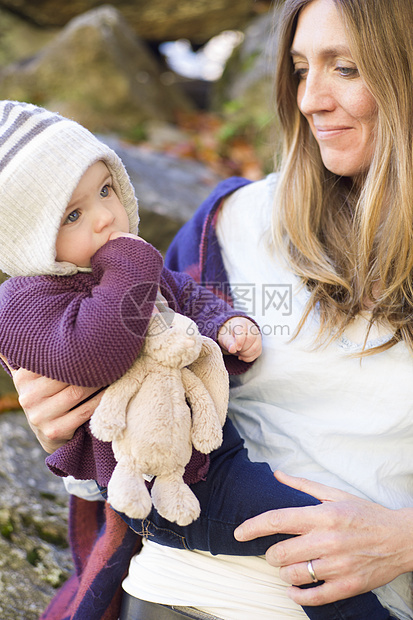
88, 329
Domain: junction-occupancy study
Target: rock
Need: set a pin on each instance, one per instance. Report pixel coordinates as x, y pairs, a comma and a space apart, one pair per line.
245, 93
157, 20
250, 65
169, 189
19, 39
98, 72
34, 555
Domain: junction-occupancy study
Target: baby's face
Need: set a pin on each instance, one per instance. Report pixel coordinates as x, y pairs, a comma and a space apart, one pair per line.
94, 212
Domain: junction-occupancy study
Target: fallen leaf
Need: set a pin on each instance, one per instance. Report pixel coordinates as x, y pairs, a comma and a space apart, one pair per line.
9, 402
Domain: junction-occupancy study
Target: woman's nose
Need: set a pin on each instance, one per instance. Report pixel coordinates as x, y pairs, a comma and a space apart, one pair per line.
315, 95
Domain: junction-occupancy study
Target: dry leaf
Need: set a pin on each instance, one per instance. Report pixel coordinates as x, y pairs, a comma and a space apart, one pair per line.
9, 402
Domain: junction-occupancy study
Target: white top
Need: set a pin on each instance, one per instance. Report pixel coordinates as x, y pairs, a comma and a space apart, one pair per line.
314, 413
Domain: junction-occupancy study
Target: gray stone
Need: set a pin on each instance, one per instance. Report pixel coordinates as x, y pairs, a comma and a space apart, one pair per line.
97, 71
34, 555
253, 60
245, 94
157, 20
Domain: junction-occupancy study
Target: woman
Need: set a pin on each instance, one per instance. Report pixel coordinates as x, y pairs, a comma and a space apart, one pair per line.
330, 397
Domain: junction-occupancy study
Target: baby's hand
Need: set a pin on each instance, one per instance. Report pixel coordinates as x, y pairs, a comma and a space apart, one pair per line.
241, 337
117, 234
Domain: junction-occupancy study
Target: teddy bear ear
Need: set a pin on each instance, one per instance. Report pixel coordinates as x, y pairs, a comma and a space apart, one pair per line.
210, 368
159, 324
185, 324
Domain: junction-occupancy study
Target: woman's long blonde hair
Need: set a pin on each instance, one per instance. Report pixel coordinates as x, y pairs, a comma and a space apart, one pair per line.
351, 244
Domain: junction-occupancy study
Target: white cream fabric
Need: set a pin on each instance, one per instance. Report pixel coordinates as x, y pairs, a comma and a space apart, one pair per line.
230, 587
85, 489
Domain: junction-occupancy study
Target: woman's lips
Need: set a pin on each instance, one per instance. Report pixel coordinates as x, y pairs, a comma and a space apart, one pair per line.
325, 133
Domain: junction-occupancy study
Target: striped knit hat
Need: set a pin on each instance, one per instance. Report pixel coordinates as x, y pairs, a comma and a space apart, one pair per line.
42, 159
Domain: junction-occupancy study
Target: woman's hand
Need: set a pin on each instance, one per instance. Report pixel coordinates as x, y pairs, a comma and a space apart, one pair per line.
50, 407
355, 545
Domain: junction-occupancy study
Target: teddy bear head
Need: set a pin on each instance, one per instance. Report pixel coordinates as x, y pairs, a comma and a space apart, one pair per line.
172, 340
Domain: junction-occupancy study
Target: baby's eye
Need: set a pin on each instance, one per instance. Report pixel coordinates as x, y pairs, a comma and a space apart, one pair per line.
72, 217
105, 191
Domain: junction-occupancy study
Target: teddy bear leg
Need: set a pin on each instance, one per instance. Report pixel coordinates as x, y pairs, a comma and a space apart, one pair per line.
174, 500
127, 491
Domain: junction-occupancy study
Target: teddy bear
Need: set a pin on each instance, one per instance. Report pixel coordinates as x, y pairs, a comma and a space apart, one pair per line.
174, 397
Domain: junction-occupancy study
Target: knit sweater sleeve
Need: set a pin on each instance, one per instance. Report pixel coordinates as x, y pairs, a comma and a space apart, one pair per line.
198, 303
195, 250
208, 311
85, 329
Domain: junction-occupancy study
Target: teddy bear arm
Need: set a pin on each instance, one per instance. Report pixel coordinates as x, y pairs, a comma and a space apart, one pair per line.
210, 368
206, 426
109, 419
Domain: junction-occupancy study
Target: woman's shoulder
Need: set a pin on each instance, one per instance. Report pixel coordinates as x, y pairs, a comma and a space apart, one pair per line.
262, 189
251, 205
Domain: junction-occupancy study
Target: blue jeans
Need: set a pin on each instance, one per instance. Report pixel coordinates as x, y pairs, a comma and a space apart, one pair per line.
235, 490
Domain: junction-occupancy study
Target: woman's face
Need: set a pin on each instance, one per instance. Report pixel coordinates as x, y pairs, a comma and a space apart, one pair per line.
331, 95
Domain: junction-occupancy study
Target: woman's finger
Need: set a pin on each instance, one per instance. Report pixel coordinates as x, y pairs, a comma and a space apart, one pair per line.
71, 397
283, 521
292, 520
28, 382
322, 569
62, 428
336, 581
327, 592
321, 491
34, 390
301, 548
55, 429
299, 574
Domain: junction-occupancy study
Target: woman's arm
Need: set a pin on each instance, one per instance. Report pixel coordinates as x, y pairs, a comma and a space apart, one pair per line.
355, 545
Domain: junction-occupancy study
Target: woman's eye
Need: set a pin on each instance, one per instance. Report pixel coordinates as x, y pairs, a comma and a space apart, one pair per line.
72, 217
300, 72
104, 192
348, 71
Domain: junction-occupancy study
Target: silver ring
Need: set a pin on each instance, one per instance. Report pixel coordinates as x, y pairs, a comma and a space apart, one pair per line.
311, 571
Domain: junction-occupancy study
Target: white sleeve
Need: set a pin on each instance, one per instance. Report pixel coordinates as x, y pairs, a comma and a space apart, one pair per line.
85, 489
